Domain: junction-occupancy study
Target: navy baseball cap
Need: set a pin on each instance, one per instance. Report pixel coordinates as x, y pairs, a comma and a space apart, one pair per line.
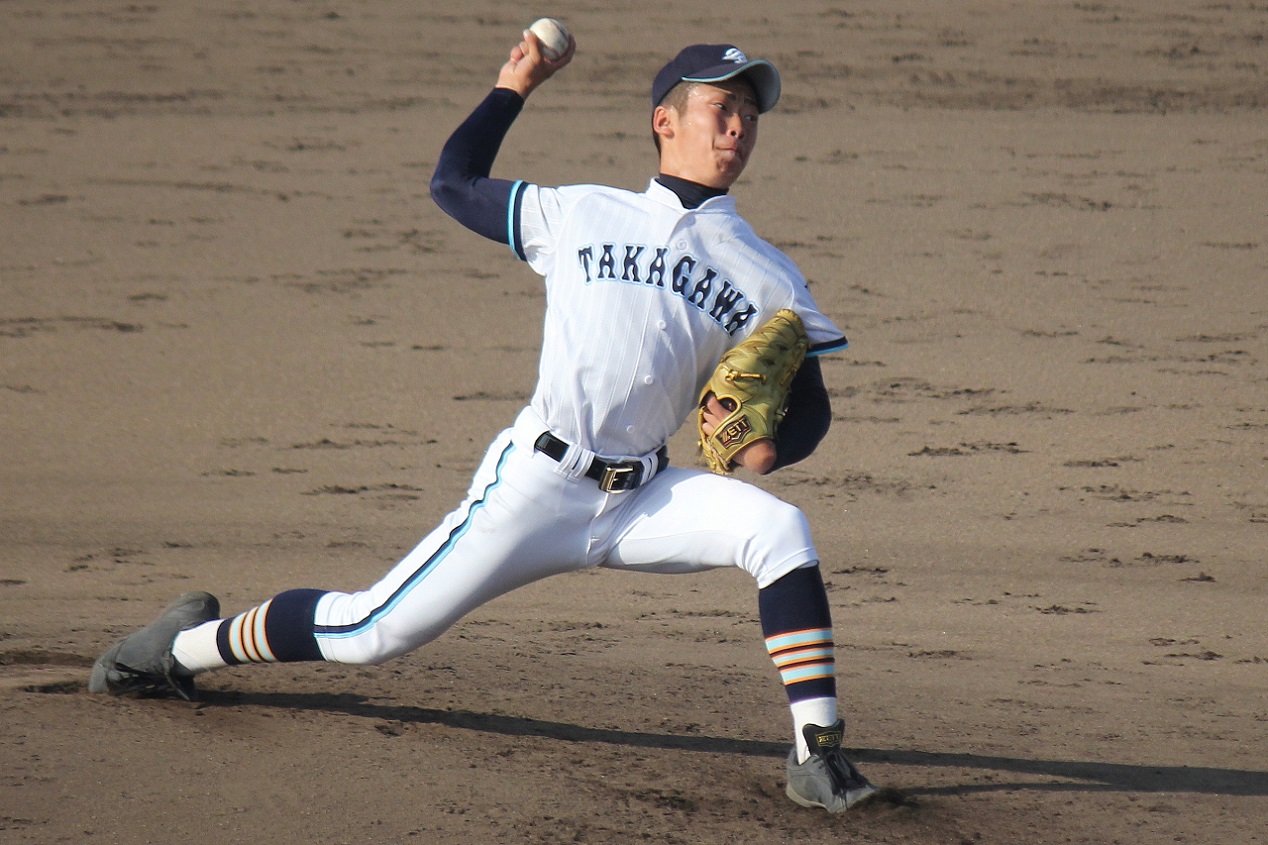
715, 63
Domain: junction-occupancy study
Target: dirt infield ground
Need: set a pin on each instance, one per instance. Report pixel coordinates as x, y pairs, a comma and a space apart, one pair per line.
241, 350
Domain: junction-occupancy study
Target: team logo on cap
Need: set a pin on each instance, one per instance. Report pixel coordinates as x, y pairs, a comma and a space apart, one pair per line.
734, 55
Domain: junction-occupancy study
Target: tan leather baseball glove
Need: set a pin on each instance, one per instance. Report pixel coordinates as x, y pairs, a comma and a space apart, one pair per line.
752, 382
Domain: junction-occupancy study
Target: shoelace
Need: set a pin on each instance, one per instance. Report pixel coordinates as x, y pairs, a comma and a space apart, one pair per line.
842, 772
149, 684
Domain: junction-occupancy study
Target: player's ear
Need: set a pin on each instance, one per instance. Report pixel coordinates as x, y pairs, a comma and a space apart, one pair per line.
664, 121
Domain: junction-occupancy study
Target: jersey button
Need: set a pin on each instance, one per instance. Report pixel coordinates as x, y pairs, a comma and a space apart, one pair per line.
629, 429
662, 325
648, 380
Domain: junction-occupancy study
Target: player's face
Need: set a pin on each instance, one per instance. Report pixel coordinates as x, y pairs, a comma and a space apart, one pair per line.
711, 139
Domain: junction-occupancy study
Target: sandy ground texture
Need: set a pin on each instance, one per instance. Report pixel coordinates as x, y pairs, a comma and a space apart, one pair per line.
241, 350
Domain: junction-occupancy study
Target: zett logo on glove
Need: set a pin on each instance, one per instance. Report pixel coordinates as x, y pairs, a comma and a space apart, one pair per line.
734, 432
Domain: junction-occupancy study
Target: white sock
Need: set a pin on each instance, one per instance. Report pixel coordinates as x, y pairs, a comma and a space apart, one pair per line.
813, 711
196, 650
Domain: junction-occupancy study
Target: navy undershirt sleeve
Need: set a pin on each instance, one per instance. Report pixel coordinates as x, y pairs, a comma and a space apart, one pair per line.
808, 418
461, 185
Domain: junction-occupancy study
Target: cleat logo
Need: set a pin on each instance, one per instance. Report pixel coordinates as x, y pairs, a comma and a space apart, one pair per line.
829, 739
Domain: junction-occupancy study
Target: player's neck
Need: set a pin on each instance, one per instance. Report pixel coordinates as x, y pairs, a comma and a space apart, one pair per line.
690, 194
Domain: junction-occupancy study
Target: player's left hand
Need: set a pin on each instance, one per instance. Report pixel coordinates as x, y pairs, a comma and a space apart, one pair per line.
758, 456
527, 68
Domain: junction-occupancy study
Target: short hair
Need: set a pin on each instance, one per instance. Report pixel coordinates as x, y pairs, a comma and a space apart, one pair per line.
675, 99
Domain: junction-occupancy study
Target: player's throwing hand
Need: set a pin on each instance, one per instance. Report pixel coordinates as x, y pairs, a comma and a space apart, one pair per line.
528, 68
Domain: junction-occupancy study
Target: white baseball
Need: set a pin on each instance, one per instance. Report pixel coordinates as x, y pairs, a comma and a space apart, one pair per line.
553, 37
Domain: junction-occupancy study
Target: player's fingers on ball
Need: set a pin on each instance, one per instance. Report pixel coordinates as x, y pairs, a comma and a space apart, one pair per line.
531, 46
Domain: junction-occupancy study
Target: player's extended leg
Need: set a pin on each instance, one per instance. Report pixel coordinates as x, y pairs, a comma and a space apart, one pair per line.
497, 540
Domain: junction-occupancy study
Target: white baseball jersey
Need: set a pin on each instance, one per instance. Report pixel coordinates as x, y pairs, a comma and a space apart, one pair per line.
634, 328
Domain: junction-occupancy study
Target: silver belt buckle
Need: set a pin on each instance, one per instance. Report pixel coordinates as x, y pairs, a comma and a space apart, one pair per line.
614, 479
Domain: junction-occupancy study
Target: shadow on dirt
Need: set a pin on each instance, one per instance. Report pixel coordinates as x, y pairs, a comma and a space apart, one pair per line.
1076, 776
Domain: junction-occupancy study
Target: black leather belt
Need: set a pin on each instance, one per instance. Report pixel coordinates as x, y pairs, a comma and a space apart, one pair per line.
613, 476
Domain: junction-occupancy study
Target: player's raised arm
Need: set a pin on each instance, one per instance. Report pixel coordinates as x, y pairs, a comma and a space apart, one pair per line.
462, 185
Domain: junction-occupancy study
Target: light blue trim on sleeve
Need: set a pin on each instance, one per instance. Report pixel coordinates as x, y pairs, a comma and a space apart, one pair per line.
828, 348
512, 236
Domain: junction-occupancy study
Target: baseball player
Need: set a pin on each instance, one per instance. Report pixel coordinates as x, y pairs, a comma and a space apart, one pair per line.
644, 293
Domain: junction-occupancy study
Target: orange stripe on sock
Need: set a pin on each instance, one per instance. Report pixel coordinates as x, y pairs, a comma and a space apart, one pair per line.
804, 655
259, 634
235, 639
248, 635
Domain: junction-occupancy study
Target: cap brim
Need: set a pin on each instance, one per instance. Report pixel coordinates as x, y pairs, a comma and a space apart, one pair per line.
761, 73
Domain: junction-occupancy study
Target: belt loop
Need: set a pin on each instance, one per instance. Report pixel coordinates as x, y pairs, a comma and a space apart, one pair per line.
575, 462
649, 463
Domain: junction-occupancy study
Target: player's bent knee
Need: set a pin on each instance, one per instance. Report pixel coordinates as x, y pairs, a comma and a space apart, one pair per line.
780, 541
783, 522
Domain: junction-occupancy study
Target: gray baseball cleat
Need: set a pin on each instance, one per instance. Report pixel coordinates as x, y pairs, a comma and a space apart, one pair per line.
142, 663
827, 779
